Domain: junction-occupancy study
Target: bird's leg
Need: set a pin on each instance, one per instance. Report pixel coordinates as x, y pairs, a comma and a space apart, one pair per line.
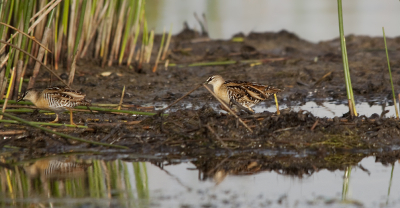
70, 118
277, 105
55, 120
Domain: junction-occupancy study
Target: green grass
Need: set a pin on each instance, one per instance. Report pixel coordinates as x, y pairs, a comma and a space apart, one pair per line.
346, 69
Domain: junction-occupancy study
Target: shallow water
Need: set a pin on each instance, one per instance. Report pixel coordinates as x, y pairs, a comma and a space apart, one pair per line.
143, 184
313, 20
319, 109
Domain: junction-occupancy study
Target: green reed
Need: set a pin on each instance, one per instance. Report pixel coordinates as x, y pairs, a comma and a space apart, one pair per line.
346, 69
390, 74
110, 28
346, 182
104, 180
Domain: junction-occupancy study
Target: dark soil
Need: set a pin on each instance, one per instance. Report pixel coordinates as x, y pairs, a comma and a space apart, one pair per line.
306, 71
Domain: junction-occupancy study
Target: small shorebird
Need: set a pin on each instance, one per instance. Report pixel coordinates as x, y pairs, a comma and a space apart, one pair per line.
57, 99
241, 93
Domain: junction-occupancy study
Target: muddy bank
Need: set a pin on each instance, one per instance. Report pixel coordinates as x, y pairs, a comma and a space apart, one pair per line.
306, 71
204, 131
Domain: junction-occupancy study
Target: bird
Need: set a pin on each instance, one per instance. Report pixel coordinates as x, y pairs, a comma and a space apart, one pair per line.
56, 99
240, 93
56, 168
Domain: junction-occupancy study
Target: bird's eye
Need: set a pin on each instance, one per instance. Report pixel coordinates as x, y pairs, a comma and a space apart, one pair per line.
209, 79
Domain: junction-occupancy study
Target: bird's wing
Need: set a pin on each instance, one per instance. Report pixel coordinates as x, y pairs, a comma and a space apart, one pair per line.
65, 94
238, 92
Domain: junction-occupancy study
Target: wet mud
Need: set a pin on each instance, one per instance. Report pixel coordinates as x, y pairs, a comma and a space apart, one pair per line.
306, 71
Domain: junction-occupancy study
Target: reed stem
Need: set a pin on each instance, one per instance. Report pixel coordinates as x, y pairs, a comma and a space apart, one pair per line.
346, 69
390, 74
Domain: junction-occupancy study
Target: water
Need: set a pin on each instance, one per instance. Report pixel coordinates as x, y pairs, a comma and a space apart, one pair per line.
330, 110
313, 20
99, 183
320, 109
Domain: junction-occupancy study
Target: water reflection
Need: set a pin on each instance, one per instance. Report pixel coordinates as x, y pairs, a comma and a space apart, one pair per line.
250, 180
313, 20
68, 181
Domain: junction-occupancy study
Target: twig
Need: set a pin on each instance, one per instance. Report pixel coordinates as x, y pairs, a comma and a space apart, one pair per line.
61, 134
229, 109
176, 101
314, 125
122, 98
28, 36
45, 124
12, 132
217, 137
112, 132
322, 79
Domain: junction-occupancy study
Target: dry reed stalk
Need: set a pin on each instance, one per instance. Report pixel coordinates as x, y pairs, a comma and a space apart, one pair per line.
122, 98
4, 61
118, 33
41, 10
3, 82
37, 61
71, 34
72, 71
108, 28
117, 36
97, 46
58, 46
136, 28
8, 92
179, 99
149, 47
98, 25
25, 34
40, 55
19, 72
167, 44
42, 16
159, 52
87, 25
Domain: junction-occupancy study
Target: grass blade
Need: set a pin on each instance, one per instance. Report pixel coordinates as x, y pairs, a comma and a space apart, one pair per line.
346, 70
61, 134
390, 74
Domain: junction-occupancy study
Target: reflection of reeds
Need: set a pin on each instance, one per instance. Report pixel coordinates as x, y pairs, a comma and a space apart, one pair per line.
346, 181
390, 184
346, 69
98, 180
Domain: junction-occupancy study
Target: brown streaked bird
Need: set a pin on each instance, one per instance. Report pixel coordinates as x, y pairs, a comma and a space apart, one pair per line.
241, 93
57, 99
57, 168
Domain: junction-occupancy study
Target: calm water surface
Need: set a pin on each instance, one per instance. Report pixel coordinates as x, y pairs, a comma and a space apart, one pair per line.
77, 182
313, 20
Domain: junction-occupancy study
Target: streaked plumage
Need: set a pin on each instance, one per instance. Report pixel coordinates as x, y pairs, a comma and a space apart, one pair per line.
56, 168
241, 93
57, 99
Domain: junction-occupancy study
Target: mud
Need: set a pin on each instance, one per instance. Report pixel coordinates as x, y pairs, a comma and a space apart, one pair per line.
306, 71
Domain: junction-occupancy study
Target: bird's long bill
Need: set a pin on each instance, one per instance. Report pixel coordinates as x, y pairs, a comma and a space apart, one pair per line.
20, 99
